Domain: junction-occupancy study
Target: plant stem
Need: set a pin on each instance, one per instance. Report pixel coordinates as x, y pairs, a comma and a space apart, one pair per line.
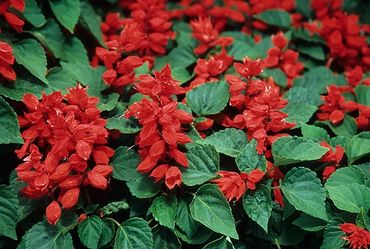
277, 243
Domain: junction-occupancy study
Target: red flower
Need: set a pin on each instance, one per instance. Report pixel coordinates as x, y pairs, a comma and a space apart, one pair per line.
207, 35
335, 106
68, 131
6, 61
208, 70
162, 84
354, 76
231, 184
53, 212
363, 119
331, 157
249, 68
14, 21
234, 185
357, 237
161, 131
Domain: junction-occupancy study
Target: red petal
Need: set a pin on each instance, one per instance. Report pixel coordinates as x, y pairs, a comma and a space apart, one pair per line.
83, 149
53, 212
70, 198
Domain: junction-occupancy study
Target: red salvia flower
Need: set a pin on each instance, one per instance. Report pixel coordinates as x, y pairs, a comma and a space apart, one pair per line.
208, 70
357, 237
331, 157
207, 35
14, 21
161, 131
6, 61
234, 185
335, 106
363, 119
69, 131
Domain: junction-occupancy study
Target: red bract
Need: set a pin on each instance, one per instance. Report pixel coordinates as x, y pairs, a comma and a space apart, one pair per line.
6, 61
363, 119
14, 21
285, 59
208, 70
331, 157
357, 237
275, 173
69, 132
161, 131
259, 103
234, 185
207, 35
335, 106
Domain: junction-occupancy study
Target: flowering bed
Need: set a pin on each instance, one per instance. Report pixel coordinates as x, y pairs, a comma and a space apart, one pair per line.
184, 124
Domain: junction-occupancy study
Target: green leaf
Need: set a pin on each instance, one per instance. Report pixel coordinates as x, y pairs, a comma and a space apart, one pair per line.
258, 206
299, 112
33, 14
229, 141
221, 243
278, 76
164, 210
309, 223
45, 236
275, 17
358, 146
344, 176
303, 190
143, 187
303, 34
203, 164
74, 52
209, 98
133, 234
8, 212
302, 95
60, 79
314, 132
9, 127
249, 159
165, 239
89, 231
124, 125
30, 54
316, 80
50, 36
242, 45
91, 21
107, 234
363, 94
333, 235
124, 163
189, 230
347, 128
304, 7
312, 50
115, 207
181, 74
288, 150
67, 12
181, 56
362, 219
210, 208
108, 102
350, 197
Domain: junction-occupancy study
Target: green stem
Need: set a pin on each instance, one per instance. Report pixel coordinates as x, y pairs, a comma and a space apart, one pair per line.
113, 220
277, 243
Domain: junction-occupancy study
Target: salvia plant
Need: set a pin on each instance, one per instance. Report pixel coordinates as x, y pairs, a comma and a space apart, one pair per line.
212, 124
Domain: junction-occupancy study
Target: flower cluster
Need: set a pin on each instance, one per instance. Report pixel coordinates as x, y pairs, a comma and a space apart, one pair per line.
260, 104
357, 237
283, 58
65, 148
14, 21
342, 33
6, 61
208, 70
207, 35
335, 106
331, 157
144, 34
161, 132
234, 185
